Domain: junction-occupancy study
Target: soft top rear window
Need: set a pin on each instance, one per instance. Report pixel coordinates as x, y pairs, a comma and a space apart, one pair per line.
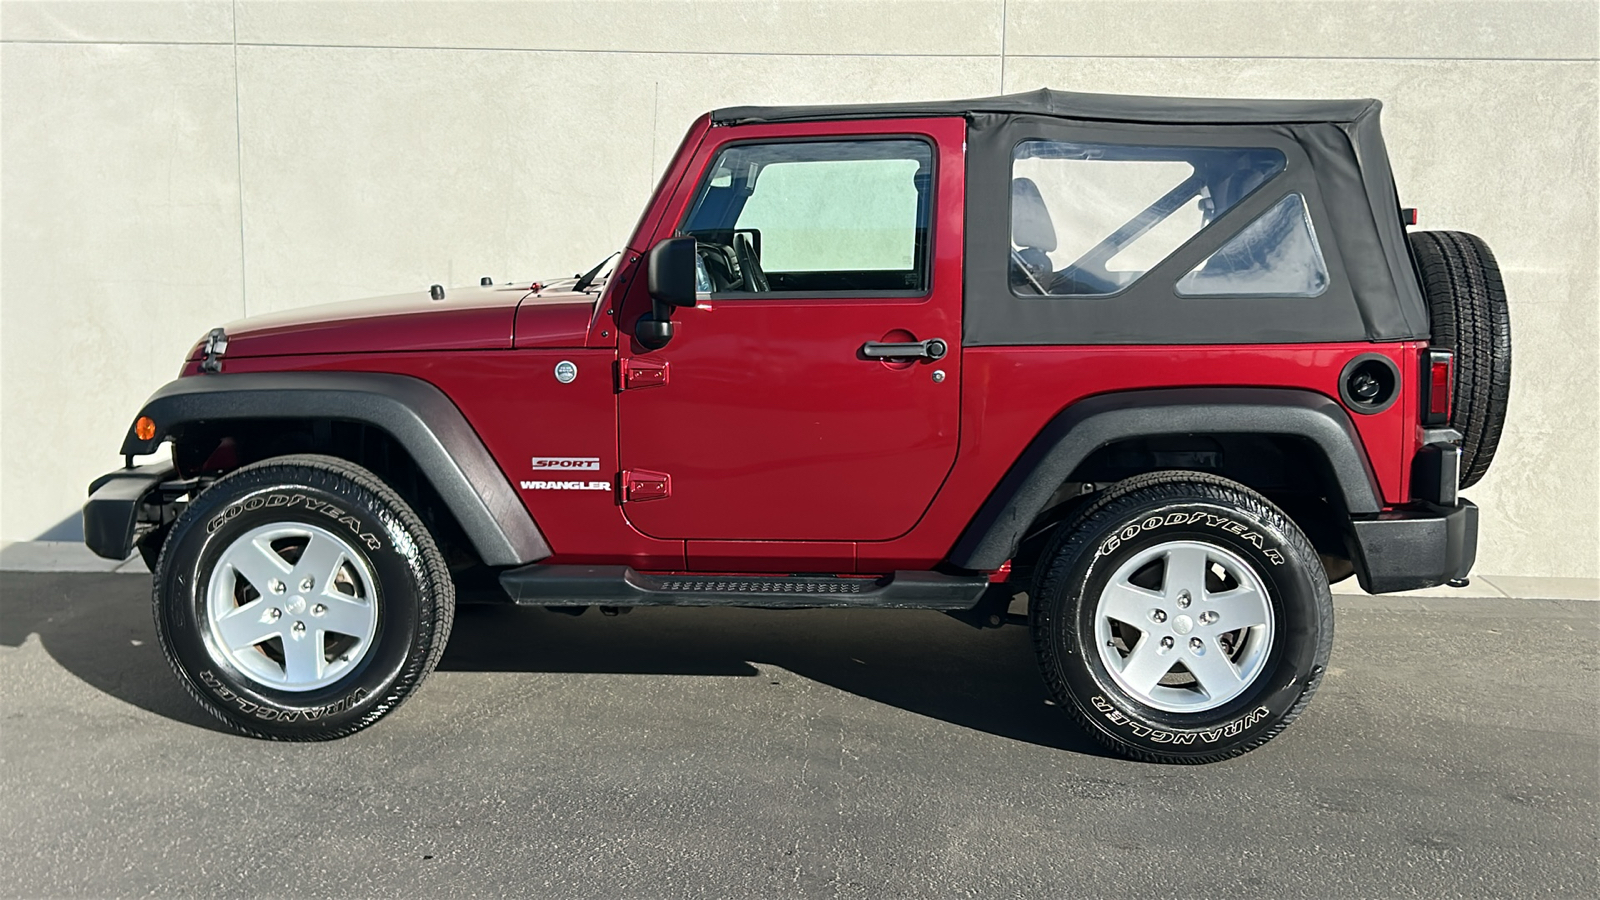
1277, 255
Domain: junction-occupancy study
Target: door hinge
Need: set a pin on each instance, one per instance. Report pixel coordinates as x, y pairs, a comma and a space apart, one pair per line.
642, 372
641, 484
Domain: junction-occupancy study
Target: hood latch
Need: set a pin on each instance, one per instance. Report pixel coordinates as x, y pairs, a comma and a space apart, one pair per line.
216, 345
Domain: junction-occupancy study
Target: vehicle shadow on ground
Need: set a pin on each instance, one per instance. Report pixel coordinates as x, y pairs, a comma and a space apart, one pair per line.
920, 661
99, 628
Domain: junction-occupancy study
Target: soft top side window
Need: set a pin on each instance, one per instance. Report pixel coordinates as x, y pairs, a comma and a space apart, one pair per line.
816, 217
1090, 219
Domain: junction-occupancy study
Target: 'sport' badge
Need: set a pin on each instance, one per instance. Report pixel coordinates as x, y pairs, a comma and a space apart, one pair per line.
566, 371
566, 463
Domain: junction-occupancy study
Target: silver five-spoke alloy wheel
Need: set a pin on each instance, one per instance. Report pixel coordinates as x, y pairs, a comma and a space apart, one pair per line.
1184, 626
291, 606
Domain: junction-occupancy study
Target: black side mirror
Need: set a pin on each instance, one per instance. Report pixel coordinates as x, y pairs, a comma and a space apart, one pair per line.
670, 278
671, 272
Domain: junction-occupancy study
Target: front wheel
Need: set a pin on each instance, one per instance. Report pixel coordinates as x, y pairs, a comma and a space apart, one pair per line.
300, 599
1182, 618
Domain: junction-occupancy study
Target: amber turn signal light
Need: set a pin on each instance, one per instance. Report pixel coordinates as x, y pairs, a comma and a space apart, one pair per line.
144, 428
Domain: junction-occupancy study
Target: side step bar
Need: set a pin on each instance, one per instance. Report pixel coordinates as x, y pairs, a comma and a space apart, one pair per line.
540, 585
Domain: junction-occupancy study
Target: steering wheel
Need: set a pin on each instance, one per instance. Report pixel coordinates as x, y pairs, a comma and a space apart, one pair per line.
749, 266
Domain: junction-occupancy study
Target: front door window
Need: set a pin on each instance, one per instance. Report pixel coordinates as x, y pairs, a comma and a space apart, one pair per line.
816, 217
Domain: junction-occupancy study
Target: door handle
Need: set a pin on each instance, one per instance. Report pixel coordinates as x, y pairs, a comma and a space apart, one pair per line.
930, 349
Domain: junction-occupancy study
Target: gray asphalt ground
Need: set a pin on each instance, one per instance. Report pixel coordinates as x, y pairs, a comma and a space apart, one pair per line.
1453, 750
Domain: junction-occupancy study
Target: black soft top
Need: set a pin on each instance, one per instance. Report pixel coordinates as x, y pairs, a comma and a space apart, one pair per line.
1075, 105
1336, 161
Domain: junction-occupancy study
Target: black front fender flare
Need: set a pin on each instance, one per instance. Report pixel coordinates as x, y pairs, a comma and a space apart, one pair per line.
413, 412
994, 533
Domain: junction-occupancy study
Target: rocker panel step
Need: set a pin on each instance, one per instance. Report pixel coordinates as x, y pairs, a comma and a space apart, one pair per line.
541, 585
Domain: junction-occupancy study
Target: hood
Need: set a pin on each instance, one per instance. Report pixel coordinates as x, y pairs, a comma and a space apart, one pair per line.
491, 317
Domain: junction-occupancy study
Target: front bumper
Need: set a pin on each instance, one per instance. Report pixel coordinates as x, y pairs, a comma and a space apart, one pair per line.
127, 503
1417, 546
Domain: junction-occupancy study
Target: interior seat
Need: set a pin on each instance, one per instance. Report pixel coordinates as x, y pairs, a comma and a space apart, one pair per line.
1033, 236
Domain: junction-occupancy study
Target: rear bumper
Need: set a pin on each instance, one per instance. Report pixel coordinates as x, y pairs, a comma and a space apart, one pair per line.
1418, 546
120, 502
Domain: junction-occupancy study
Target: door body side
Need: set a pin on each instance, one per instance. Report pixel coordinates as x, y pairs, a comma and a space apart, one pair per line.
770, 423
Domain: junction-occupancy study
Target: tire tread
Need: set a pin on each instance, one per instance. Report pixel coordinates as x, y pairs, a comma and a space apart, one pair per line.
1471, 318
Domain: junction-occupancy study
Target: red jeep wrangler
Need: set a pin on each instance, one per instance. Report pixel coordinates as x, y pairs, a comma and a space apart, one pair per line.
1169, 367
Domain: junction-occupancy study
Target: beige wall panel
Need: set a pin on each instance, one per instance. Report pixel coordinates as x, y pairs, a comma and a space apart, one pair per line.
1540, 498
172, 21
690, 86
1507, 150
370, 171
120, 246
1373, 29
958, 27
376, 170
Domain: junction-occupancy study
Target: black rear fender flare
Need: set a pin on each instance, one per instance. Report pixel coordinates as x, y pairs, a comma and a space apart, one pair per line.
413, 412
992, 536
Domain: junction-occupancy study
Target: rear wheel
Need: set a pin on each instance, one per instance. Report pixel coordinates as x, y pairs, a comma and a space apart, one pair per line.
301, 599
1182, 618
1470, 317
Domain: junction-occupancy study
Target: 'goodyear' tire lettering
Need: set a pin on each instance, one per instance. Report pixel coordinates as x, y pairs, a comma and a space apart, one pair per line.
1210, 520
290, 501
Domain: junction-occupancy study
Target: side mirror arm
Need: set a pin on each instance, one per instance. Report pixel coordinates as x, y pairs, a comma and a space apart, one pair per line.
670, 276
654, 329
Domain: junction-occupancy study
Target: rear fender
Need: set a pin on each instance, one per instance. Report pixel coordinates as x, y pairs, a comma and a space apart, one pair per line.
994, 533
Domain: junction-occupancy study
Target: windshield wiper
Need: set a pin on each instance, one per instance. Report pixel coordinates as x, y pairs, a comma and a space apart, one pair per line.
588, 277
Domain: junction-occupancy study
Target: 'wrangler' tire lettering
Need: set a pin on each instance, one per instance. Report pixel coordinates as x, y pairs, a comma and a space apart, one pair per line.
313, 713
1179, 738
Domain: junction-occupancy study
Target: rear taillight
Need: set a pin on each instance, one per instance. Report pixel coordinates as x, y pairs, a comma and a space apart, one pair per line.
1441, 385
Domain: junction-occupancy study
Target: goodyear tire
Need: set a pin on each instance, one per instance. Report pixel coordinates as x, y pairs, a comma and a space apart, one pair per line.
1182, 618
1470, 316
301, 599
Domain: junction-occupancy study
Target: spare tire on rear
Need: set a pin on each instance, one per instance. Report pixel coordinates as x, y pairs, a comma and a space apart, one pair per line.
1467, 307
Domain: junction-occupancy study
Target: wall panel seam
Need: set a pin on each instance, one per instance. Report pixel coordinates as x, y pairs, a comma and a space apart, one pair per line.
823, 55
238, 158
582, 51
118, 43
1004, 27
1530, 59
